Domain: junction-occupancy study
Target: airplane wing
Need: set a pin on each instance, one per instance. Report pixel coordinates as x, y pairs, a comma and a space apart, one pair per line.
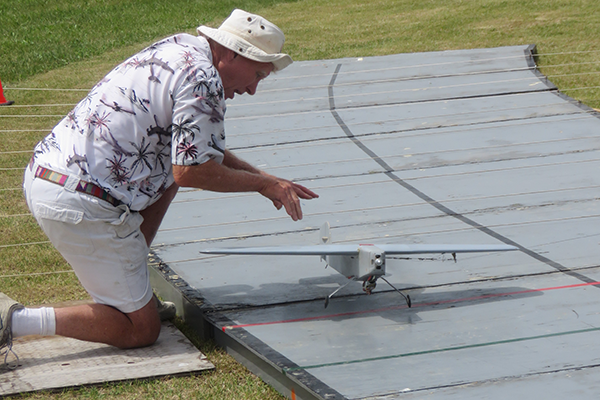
316, 250
352, 249
443, 248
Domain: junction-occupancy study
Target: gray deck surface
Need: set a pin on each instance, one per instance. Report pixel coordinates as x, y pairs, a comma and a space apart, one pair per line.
470, 146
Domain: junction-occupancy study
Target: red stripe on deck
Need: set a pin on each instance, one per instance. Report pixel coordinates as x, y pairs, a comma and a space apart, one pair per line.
488, 296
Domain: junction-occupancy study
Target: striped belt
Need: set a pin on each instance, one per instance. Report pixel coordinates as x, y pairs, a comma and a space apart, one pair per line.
83, 187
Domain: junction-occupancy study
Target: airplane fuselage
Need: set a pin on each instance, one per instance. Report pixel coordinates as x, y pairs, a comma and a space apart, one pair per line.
368, 263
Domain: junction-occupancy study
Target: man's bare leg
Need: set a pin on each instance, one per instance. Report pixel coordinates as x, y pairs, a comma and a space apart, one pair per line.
105, 324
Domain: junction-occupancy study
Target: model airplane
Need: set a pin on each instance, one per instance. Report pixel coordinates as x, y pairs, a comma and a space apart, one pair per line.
361, 262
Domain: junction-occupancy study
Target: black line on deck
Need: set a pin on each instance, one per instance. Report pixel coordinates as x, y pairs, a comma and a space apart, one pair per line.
389, 171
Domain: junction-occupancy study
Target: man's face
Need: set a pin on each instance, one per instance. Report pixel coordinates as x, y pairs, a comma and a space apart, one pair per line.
241, 75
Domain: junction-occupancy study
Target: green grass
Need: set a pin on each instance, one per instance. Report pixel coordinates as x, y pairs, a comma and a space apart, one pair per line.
71, 44
41, 35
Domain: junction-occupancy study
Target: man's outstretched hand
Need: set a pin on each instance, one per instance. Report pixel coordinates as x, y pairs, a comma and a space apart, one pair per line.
235, 175
284, 193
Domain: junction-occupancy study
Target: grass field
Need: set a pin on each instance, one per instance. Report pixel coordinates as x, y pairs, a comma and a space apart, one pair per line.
71, 44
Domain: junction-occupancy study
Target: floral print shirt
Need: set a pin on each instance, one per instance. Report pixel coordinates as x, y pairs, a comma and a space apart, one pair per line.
163, 106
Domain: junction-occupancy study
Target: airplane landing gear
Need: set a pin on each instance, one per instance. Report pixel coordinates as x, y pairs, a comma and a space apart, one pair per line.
369, 284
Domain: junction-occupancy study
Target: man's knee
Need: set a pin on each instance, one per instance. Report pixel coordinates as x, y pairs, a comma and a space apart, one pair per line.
146, 327
144, 336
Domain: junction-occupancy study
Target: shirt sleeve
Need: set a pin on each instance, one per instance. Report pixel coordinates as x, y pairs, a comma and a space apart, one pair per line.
198, 112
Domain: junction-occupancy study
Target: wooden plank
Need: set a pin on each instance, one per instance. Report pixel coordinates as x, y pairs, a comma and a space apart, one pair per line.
56, 362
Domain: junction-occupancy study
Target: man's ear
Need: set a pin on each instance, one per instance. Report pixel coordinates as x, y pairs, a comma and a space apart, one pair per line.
228, 54
222, 53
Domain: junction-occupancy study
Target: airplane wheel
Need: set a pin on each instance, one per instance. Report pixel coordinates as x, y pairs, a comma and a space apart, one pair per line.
369, 285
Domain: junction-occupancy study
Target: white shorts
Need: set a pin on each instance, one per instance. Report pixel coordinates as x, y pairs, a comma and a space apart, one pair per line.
102, 243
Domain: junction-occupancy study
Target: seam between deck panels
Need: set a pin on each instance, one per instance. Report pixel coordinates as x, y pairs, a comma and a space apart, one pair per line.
446, 349
477, 383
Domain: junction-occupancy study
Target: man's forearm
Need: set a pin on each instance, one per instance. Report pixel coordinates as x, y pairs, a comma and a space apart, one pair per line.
220, 178
236, 175
232, 161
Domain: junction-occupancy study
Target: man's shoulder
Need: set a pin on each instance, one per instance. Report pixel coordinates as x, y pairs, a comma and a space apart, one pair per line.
181, 55
179, 43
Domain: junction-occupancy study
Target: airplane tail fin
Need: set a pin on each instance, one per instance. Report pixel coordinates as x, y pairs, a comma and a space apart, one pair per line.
325, 234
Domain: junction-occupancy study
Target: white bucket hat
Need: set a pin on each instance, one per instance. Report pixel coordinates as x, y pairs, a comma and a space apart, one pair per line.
250, 36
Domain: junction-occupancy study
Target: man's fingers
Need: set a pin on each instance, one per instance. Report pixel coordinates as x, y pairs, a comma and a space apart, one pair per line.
284, 193
292, 205
277, 204
304, 192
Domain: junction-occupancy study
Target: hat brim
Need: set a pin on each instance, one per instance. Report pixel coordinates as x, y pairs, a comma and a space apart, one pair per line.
245, 48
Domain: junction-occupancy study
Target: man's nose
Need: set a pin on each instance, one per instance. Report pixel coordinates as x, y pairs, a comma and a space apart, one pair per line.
252, 88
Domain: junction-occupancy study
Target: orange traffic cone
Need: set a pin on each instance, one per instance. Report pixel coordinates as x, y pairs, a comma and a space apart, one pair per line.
3, 101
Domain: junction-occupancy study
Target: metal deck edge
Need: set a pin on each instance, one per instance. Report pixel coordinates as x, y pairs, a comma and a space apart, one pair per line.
531, 57
248, 350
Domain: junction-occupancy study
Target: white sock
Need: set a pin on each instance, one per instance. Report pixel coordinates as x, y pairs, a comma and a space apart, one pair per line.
34, 321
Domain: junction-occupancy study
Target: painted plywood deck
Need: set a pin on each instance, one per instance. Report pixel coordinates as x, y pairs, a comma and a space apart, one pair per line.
470, 146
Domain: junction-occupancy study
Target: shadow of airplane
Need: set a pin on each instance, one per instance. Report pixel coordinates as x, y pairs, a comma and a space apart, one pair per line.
384, 303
